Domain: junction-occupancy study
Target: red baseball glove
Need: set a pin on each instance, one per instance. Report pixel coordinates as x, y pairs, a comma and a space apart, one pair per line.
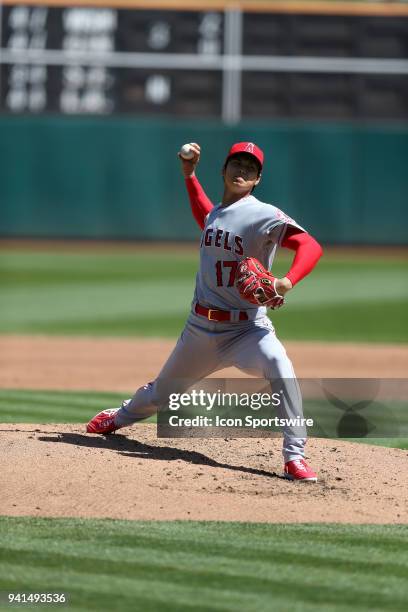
257, 285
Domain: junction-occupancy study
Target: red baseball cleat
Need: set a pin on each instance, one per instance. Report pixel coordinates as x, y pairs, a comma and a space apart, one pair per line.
297, 469
103, 422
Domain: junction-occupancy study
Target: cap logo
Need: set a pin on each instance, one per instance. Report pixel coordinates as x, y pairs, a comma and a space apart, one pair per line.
250, 147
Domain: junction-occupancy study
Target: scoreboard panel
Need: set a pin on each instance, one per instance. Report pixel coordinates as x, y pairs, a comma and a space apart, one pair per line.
57, 82
228, 64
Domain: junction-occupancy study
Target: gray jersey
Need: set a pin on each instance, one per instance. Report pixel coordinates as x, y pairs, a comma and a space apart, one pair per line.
246, 228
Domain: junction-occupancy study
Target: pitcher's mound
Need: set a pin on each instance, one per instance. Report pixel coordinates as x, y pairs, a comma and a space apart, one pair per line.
59, 470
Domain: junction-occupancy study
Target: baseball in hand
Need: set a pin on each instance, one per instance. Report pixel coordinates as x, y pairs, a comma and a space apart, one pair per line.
186, 152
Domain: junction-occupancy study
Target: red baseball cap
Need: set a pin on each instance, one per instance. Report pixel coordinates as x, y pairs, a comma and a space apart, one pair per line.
246, 147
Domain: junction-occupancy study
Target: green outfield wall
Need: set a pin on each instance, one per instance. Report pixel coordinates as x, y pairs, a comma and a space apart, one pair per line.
120, 178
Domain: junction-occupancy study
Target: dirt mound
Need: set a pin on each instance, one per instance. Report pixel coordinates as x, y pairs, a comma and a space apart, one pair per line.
58, 470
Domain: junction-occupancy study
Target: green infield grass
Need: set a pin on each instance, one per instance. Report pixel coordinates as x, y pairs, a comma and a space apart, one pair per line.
200, 566
26, 406
33, 406
148, 293
388, 442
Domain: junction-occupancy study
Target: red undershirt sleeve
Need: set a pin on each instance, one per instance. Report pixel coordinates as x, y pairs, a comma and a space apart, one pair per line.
308, 252
200, 204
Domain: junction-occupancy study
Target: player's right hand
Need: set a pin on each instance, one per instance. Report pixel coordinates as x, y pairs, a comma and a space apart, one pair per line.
188, 166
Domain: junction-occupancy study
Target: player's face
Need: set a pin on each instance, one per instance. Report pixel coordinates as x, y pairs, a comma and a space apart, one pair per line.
241, 174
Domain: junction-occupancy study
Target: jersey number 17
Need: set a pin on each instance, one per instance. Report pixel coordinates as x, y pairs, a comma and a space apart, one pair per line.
233, 266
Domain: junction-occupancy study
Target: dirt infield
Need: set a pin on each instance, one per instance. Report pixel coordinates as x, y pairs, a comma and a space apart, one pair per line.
101, 364
59, 470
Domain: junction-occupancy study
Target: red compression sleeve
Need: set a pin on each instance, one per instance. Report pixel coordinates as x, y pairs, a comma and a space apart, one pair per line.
308, 253
200, 204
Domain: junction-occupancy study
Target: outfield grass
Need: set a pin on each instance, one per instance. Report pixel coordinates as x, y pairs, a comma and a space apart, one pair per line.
33, 406
177, 566
148, 293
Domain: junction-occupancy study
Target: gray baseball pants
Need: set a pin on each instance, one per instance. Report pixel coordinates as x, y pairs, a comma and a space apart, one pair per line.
205, 347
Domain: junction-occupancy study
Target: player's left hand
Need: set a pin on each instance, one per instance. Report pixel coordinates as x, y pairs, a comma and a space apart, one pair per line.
258, 286
283, 285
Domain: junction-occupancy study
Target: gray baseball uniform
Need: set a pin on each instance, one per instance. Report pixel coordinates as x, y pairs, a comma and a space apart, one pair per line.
246, 228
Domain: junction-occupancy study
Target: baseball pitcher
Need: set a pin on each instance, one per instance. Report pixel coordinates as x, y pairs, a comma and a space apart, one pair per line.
228, 324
